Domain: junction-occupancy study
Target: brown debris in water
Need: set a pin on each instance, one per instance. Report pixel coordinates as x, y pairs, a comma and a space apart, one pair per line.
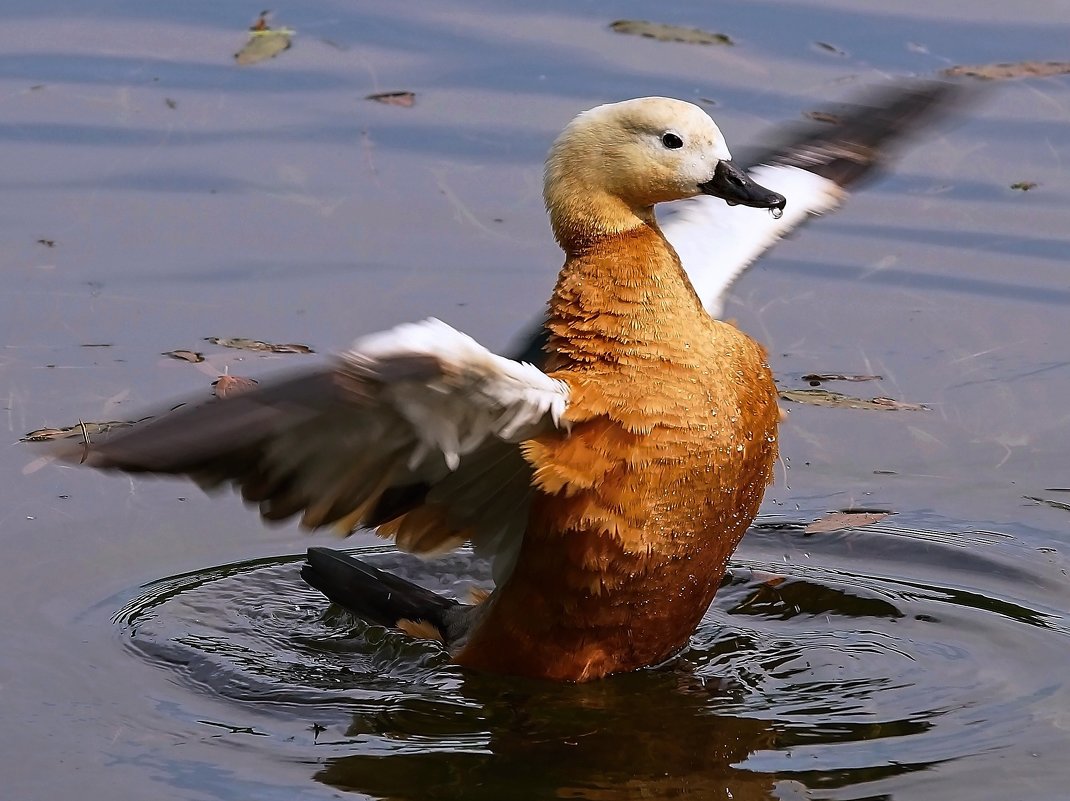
669, 33
240, 343
229, 385
80, 430
1049, 502
824, 397
817, 378
191, 356
848, 518
402, 99
830, 48
823, 116
1009, 70
264, 42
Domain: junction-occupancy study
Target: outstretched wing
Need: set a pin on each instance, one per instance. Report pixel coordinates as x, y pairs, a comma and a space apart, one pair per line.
417, 428
813, 167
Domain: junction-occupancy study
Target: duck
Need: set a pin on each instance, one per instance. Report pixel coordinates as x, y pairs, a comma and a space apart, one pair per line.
610, 481
608, 488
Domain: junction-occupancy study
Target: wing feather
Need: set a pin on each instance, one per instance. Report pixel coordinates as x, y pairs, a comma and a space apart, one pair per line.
418, 427
813, 167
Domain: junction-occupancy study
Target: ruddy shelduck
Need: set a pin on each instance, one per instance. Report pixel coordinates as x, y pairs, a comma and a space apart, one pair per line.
609, 487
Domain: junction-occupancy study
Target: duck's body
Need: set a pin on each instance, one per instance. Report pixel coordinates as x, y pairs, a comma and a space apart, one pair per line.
610, 490
673, 421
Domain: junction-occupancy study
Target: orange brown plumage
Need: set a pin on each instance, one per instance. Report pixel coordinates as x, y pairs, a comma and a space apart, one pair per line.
673, 440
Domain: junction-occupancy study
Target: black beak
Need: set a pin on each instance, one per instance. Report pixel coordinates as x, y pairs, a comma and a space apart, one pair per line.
734, 187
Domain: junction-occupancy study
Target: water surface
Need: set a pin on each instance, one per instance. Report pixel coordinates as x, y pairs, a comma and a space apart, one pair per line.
923, 658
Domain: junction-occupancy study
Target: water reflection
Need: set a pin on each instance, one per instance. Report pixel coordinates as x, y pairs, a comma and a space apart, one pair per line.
647, 735
808, 674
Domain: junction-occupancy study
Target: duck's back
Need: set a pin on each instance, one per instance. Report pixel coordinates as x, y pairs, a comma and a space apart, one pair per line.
672, 444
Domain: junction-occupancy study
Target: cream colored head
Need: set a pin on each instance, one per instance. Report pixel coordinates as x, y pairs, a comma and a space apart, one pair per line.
613, 163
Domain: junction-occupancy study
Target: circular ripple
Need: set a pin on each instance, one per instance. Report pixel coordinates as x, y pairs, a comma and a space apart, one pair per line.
835, 661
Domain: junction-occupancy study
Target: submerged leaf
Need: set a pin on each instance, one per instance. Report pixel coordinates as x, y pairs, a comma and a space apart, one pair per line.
669, 33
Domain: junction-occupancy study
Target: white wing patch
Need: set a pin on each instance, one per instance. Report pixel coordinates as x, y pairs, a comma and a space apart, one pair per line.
717, 242
476, 395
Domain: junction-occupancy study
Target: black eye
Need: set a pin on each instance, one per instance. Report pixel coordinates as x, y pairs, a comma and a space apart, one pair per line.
672, 141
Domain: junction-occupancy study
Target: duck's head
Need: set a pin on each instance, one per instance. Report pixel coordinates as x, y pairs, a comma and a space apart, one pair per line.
611, 164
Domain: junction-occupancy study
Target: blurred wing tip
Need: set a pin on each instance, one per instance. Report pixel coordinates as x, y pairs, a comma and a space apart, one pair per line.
860, 136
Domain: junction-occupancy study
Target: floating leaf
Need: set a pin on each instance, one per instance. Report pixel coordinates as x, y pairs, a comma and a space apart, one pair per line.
893, 405
185, 355
829, 48
48, 243
823, 397
1049, 502
228, 385
255, 344
403, 99
80, 431
813, 378
1009, 70
263, 45
848, 518
264, 42
669, 33
1024, 186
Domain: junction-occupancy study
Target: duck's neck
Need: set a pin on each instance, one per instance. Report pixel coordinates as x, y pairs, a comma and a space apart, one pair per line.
582, 215
620, 293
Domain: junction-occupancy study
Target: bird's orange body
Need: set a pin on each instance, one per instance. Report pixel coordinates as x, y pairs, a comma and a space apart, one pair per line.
673, 440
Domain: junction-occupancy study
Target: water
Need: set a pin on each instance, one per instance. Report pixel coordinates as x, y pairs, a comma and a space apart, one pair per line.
921, 658
808, 672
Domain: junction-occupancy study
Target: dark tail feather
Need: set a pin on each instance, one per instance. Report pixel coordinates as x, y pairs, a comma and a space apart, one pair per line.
371, 594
